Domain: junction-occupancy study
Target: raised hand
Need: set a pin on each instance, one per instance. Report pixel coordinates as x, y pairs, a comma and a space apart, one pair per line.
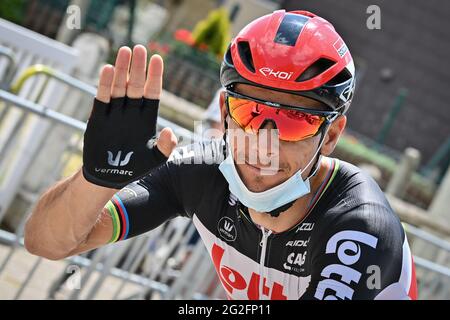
116, 149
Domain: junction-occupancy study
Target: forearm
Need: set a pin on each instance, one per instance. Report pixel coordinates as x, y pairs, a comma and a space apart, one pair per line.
64, 216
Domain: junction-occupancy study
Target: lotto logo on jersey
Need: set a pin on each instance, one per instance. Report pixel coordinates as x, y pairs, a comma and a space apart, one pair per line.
340, 277
233, 280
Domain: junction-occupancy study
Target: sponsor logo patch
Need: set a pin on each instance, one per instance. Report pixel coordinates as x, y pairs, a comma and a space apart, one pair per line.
295, 261
227, 229
116, 162
232, 200
306, 226
297, 243
340, 47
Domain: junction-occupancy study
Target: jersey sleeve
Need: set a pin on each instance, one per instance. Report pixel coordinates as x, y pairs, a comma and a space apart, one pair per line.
143, 205
362, 254
174, 189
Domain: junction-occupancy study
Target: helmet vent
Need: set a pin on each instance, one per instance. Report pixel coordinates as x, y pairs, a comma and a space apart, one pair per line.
315, 69
341, 77
227, 58
290, 29
246, 55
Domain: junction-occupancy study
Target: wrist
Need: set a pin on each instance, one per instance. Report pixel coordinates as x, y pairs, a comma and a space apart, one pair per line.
87, 183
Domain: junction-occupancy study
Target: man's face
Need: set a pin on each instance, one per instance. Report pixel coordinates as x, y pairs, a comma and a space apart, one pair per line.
292, 156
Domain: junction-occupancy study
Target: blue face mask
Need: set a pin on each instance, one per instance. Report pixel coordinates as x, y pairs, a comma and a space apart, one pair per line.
291, 189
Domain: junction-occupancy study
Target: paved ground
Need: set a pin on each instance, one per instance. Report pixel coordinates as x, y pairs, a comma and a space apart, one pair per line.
18, 268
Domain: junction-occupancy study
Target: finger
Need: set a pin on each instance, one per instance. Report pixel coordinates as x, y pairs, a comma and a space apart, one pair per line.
153, 85
167, 141
104, 83
135, 86
119, 86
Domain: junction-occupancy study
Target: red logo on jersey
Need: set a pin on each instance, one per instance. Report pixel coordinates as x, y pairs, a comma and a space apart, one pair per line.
233, 280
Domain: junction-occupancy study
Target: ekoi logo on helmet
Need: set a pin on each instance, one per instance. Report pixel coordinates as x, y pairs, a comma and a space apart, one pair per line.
269, 72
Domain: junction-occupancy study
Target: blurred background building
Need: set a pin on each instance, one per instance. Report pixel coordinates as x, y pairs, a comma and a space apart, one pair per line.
403, 72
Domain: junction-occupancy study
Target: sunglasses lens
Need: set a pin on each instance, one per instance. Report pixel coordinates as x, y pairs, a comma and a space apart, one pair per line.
292, 125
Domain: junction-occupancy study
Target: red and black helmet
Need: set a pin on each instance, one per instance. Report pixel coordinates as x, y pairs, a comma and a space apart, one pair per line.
295, 52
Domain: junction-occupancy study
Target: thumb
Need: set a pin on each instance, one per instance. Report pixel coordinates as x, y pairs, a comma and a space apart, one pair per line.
167, 141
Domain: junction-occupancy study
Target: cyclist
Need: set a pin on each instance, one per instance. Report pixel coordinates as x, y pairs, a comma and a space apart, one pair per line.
292, 224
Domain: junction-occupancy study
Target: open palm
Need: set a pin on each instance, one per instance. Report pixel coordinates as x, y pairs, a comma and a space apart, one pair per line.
130, 77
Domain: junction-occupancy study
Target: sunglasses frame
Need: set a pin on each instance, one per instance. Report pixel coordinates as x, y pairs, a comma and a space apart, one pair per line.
329, 116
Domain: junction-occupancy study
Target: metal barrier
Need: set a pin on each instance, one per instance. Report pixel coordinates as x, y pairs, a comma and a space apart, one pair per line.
26, 48
7, 68
11, 178
41, 111
433, 277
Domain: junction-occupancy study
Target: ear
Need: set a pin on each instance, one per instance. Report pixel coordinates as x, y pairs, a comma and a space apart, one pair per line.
333, 135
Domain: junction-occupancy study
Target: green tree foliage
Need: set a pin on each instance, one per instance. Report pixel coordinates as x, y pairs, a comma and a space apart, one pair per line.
12, 10
214, 31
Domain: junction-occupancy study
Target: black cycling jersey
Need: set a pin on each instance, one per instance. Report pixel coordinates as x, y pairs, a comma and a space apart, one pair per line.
350, 245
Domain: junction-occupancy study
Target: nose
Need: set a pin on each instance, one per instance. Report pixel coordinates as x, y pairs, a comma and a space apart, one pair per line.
265, 146
268, 124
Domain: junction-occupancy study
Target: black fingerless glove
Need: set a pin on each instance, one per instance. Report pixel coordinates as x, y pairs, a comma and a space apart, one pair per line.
116, 148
